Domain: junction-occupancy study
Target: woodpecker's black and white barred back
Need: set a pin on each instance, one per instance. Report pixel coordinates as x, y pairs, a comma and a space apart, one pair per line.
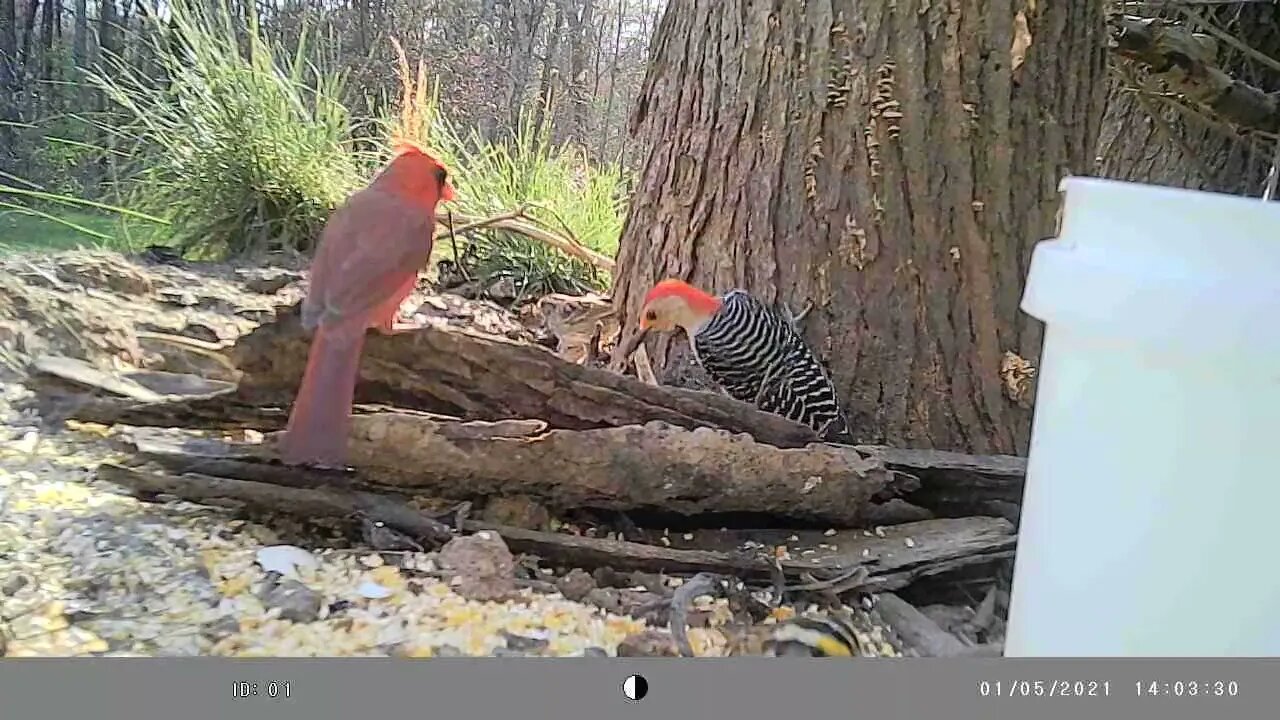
757, 356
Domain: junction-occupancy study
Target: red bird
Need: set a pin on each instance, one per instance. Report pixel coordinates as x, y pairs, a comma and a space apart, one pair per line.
366, 265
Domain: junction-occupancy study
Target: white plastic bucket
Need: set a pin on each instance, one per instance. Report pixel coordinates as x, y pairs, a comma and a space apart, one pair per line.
1150, 523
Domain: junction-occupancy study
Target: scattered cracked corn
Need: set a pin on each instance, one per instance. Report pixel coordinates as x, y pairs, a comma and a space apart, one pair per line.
106, 574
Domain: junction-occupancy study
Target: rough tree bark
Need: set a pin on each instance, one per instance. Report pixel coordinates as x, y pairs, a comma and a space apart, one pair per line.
892, 163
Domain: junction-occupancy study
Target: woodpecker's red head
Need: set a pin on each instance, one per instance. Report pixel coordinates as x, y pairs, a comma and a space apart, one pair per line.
674, 303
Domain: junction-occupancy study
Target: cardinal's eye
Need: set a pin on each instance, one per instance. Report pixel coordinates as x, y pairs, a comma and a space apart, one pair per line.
442, 176
651, 316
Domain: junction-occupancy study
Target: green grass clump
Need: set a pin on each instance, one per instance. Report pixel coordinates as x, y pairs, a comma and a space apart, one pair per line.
240, 147
558, 188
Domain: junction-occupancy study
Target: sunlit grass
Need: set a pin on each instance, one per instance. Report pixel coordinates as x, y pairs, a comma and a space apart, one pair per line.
56, 228
228, 152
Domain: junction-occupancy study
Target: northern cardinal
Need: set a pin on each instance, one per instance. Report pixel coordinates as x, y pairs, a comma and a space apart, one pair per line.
366, 265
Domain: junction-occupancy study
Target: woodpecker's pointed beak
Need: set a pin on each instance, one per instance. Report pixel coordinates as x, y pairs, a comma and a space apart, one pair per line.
627, 350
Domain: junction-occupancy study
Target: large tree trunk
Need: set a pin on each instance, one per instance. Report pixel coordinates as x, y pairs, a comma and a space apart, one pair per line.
892, 163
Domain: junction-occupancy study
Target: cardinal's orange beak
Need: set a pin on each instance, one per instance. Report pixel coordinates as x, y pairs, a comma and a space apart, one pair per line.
446, 193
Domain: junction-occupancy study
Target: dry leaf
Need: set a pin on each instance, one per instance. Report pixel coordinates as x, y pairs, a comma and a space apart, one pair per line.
1021, 39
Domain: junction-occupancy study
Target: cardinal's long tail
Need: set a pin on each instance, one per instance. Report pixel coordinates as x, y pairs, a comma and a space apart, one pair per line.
320, 421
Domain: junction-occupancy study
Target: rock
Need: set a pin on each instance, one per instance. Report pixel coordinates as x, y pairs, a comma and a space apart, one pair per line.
222, 627
594, 651
267, 281
296, 601
200, 331
649, 643
285, 559
14, 584
503, 290
380, 537
178, 297
480, 566
104, 271
446, 651
517, 511
525, 645
576, 584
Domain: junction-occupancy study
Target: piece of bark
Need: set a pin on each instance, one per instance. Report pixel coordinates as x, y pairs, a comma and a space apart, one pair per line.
958, 485
656, 466
916, 629
479, 376
212, 413
940, 546
985, 650
303, 502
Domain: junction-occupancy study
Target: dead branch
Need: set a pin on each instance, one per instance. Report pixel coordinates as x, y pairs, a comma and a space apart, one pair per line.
515, 221
703, 583
916, 629
465, 373
940, 545
304, 502
957, 485
1186, 61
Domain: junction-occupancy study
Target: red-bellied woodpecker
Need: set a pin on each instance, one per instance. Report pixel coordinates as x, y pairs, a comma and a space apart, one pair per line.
752, 352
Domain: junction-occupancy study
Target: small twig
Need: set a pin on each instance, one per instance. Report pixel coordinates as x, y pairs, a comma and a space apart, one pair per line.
778, 576
1229, 39
453, 243
985, 615
1272, 175
839, 584
644, 370
594, 352
478, 223
681, 601
515, 222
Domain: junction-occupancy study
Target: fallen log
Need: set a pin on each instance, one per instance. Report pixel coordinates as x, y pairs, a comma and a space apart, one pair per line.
926, 482
957, 485
650, 467
477, 376
939, 545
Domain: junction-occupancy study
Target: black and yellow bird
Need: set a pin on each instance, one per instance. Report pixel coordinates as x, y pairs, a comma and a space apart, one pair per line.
813, 636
